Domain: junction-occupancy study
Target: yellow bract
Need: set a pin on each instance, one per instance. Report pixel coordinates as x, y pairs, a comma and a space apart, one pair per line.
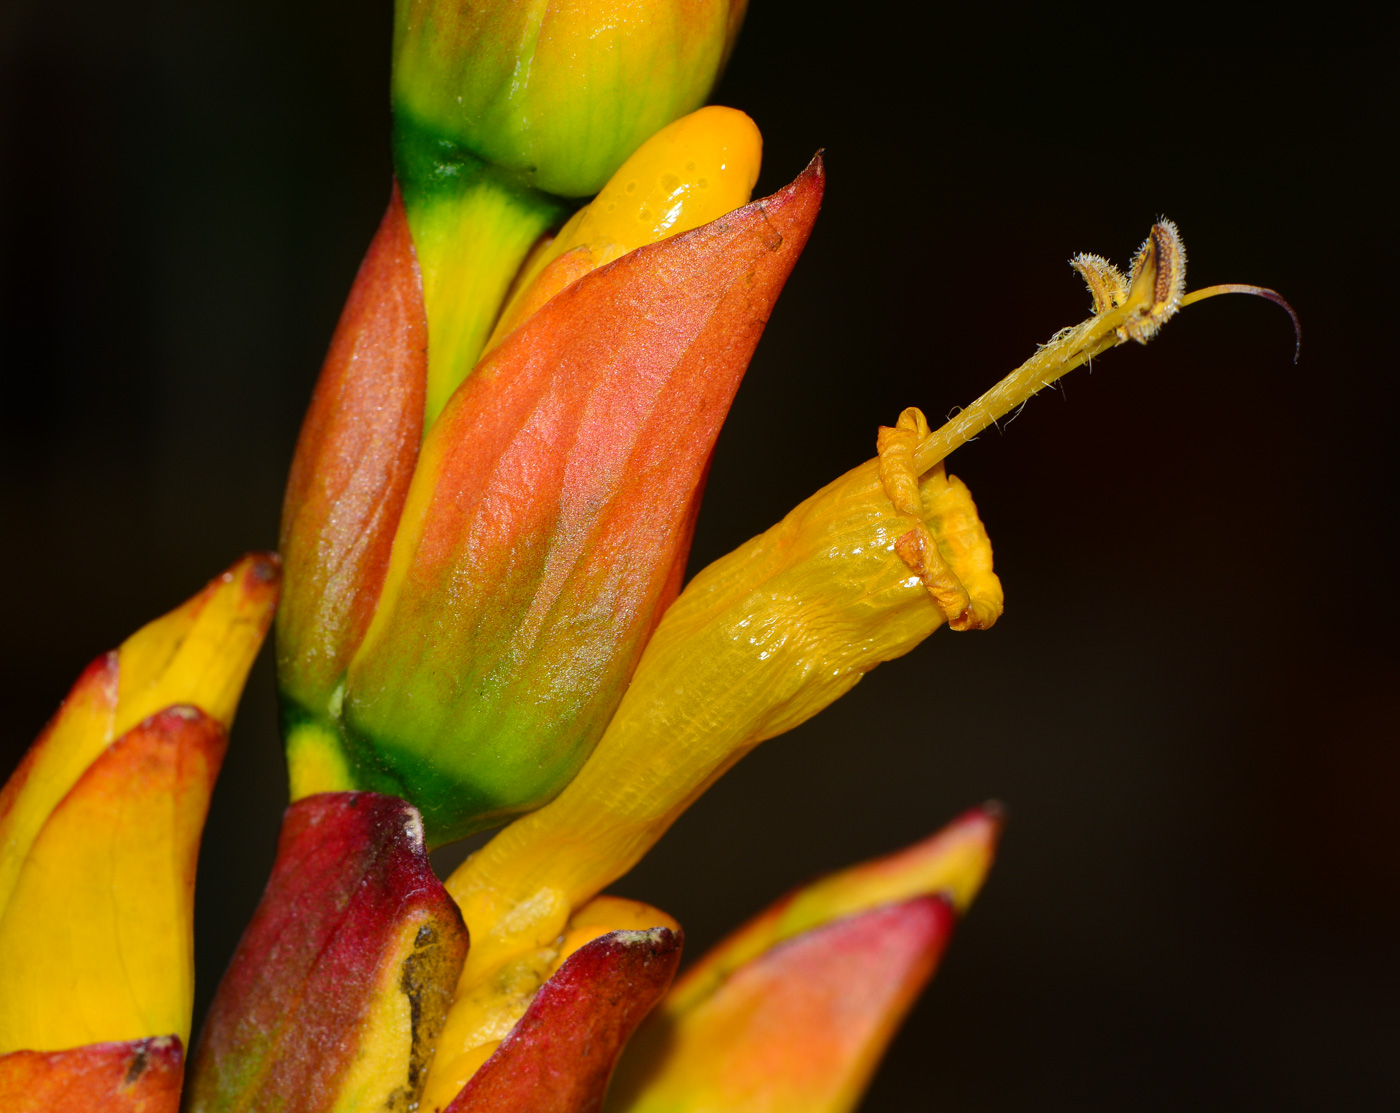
100, 826
80, 731
198, 654
96, 942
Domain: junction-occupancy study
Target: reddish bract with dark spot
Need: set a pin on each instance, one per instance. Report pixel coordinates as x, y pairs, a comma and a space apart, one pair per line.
560, 1056
351, 883
138, 1076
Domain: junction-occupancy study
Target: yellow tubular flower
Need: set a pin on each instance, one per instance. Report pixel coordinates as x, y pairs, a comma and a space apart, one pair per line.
765, 638
759, 642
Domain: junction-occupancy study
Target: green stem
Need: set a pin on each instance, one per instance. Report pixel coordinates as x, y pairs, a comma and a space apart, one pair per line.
473, 225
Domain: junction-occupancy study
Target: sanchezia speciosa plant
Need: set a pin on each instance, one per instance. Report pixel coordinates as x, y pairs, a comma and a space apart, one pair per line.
483, 623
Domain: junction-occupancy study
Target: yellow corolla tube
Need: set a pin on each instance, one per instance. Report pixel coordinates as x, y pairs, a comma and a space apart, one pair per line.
758, 642
100, 826
769, 635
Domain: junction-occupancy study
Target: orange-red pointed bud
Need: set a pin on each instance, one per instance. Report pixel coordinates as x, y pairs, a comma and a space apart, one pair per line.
799, 1029
549, 513
336, 993
791, 1013
100, 825
140, 1076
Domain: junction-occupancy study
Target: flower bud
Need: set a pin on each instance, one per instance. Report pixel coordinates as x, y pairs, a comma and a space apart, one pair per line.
799, 1029
560, 93
689, 173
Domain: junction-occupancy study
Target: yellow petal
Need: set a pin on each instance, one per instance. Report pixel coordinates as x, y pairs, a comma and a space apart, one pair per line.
75, 736
689, 173
200, 653
96, 943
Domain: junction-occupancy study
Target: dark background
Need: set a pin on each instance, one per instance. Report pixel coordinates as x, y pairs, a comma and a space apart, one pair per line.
1190, 705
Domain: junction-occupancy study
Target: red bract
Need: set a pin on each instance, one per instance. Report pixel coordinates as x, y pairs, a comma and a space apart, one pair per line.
545, 529
560, 1056
353, 464
342, 978
139, 1076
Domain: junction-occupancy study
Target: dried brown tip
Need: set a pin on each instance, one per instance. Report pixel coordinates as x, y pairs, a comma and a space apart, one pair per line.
1259, 292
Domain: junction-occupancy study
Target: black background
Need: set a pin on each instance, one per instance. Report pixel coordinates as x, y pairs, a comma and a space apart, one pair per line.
1190, 704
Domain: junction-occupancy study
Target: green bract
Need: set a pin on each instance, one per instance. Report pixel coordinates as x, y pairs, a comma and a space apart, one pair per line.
558, 92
